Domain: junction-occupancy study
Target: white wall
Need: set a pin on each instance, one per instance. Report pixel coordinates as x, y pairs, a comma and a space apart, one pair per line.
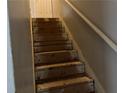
101, 12
19, 16
101, 57
10, 71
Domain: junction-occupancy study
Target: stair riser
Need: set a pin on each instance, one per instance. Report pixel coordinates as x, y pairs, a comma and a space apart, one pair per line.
50, 38
52, 48
51, 31
52, 58
41, 21
58, 72
48, 30
46, 25
45, 20
58, 34
78, 88
51, 23
38, 44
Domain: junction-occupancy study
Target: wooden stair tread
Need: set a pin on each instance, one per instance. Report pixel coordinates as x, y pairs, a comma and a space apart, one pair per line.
58, 65
52, 48
38, 43
51, 38
55, 57
41, 81
45, 19
49, 34
63, 83
61, 51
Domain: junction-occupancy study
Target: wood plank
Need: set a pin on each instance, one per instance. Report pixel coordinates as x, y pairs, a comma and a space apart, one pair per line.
63, 83
58, 65
61, 70
55, 57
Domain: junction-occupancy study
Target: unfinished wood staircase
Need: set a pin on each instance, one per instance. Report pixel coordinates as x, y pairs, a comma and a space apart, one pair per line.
58, 68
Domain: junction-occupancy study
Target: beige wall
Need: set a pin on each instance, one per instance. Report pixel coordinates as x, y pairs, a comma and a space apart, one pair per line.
19, 14
44, 8
100, 56
56, 8
41, 8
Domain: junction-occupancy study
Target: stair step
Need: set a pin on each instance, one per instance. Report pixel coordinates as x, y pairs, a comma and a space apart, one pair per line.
55, 47
49, 79
48, 34
47, 24
44, 19
50, 38
54, 52
47, 29
55, 57
38, 18
39, 31
39, 23
52, 46
57, 65
42, 88
60, 42
46, 72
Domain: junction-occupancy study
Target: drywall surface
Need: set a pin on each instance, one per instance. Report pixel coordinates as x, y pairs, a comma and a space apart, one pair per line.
41, 8
101, 58
44, 8
103, 13
19, 15
10, 72
56, 8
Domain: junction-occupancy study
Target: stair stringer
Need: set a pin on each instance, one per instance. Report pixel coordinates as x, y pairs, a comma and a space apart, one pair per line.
33, 68
98, 86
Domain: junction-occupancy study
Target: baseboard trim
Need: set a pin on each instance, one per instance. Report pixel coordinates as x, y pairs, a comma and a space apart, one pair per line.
98, 86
